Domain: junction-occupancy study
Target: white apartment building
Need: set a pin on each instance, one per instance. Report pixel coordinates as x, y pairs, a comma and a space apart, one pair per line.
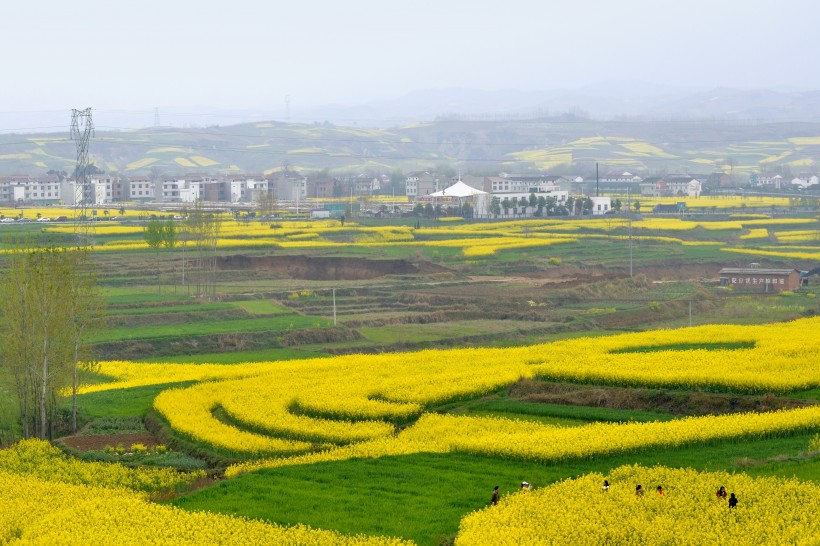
139, 188
43, 190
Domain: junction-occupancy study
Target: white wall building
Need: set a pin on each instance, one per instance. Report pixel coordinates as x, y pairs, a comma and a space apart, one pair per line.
601, 205
44, 190
804, 180
139, 188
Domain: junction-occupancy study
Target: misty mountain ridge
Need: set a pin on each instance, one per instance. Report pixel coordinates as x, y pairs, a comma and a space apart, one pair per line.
613, 100
606, 101
622, 125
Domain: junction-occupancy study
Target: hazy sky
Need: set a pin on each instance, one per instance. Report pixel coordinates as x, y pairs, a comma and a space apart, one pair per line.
190, 55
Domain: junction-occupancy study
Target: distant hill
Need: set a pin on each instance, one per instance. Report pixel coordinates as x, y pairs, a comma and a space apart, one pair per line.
604, 101
563, 144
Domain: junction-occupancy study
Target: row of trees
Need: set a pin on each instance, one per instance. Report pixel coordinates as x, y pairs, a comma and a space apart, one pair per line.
49, 302
198, 234
540, 206
430, 211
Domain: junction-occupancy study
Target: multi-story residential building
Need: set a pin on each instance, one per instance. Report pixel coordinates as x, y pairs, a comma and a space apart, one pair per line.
365, 184
411, 183
245, 187
804, 180
769, 181
513, 183
324, 187
140, 189
255, 185
287, 186
20, 189
188, 188
672, 186
619, 181
620, 177
419, 183
109, 188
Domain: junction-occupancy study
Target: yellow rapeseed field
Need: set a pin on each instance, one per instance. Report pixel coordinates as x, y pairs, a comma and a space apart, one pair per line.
579, 511
37, 511
40, 459
354, 399
526, 440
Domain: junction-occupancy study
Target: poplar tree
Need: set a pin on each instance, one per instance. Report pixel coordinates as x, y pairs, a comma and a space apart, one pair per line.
202, 229
48, 304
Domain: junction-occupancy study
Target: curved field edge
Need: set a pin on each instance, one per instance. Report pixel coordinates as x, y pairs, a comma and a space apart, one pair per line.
509, 439
751, 358
424, 496
358, 393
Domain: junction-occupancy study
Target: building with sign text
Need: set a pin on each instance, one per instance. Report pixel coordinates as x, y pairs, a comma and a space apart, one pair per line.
760, 279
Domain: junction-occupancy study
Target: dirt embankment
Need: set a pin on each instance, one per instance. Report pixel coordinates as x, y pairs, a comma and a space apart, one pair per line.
662, 400
327, 268
569, 275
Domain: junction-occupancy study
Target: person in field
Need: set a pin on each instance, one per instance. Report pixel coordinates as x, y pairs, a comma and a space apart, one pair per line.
494, 500
732, 501
661, 492
638, 491
605, 487
525, 486
721, 492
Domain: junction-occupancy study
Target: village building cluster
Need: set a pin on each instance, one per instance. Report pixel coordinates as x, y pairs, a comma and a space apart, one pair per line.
420, 187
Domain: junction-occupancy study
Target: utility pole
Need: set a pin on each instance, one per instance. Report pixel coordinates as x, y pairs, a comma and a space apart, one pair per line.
82, 129
629, 208
334, 307
597, 194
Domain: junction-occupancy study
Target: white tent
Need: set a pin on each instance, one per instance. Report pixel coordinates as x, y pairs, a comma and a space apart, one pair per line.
459, 189
480, 200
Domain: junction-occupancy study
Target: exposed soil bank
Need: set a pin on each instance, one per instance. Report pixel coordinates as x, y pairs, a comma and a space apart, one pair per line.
324, 268
646, 399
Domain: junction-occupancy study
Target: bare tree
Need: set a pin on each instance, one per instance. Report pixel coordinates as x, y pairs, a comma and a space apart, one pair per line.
265, 202
202, 229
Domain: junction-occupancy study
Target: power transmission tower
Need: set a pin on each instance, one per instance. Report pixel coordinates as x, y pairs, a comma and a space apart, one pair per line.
82, 129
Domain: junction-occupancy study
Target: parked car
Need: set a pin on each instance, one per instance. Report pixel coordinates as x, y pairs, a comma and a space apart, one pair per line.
61, 219
24, 220
44, 219
6, 220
